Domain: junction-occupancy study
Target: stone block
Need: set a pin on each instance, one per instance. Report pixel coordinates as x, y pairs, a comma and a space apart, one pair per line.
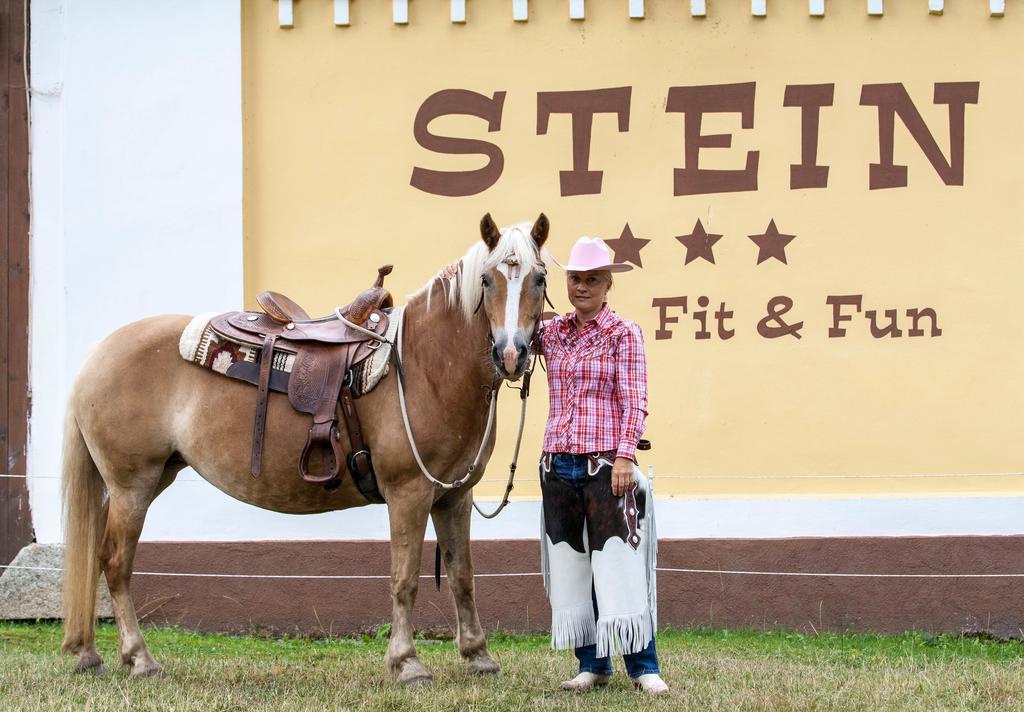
35, 591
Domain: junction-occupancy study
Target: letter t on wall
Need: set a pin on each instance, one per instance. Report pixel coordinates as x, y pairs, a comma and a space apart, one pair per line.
582, 105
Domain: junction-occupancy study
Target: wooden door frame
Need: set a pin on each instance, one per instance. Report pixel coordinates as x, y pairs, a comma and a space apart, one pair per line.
15, 516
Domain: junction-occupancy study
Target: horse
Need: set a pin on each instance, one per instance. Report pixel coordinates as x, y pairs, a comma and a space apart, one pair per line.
138, 413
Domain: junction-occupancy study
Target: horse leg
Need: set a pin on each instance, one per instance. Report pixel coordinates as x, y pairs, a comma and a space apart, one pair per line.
408, 524
451, 522
125, 517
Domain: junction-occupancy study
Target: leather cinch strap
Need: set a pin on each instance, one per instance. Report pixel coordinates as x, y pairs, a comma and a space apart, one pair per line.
359, 462
259, 426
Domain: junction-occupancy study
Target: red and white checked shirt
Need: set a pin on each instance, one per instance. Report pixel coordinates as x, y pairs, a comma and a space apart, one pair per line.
597, 384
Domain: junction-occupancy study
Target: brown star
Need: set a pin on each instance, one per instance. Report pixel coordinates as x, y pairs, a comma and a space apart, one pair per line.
771, 244
699, 243
627, 248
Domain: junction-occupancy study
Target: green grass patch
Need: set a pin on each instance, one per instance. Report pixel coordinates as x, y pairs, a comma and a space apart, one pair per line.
706, 669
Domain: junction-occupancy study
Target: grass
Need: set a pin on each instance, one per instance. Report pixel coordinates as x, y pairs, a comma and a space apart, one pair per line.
707, 670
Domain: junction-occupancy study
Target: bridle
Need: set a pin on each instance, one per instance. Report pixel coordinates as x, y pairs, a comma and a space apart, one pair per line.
512, 261
491, 400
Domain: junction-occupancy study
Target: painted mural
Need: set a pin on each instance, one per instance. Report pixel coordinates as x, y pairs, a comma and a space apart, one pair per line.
822, 211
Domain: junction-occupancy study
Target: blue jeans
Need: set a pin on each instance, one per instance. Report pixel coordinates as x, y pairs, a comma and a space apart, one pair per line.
573, 468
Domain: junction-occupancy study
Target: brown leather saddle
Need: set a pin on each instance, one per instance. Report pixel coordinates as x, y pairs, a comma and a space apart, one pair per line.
320, 382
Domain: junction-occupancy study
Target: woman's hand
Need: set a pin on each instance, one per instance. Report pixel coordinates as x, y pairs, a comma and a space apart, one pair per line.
622, 476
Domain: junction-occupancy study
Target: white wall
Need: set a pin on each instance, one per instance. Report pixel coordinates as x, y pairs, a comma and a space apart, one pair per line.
137, 187
137, 210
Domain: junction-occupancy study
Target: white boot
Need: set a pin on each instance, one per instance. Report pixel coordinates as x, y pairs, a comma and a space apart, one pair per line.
651, 683
587, 681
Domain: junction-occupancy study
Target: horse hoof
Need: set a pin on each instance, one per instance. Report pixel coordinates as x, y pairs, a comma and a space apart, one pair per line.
483, 665
413, 674
147, 668
90, 662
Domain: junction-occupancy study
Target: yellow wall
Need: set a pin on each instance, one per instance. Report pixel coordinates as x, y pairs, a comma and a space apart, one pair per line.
329, 150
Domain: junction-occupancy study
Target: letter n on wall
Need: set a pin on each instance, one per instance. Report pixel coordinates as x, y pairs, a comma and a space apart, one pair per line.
893, 100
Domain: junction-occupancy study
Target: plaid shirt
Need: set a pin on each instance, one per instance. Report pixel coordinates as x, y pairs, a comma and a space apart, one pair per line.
597, 384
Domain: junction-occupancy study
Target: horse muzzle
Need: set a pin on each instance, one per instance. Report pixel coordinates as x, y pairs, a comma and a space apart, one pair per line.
509, 358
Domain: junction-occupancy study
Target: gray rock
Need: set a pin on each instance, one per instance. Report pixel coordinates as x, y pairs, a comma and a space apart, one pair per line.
27, 594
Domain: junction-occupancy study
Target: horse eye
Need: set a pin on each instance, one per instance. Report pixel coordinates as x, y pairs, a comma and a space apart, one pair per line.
485, 280
541, 280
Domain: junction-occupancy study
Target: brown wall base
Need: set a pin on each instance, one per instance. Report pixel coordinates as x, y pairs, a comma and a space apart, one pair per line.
327, 606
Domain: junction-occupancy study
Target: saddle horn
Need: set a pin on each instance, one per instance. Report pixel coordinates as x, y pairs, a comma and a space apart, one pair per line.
376, 297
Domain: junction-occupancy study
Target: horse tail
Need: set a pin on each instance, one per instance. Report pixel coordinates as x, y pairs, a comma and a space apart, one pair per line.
85, 517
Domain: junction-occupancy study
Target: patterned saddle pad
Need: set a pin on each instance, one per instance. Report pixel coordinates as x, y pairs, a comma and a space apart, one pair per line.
203, 345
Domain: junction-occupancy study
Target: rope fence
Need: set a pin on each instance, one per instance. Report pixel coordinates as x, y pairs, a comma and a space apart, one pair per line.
669, 570
732, 572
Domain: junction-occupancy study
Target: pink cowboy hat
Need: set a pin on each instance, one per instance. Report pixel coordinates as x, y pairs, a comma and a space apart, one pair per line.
590, 253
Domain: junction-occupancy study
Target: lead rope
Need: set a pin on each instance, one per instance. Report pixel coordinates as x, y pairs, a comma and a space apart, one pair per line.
492, 395
524, 393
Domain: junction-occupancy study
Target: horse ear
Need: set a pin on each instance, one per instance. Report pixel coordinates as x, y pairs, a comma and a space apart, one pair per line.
489, 231
540, 230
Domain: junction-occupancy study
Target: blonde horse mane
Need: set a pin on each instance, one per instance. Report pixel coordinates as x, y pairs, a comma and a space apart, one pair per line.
463, 289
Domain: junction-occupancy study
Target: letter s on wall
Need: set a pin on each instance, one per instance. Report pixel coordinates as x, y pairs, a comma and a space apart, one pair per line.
458, 183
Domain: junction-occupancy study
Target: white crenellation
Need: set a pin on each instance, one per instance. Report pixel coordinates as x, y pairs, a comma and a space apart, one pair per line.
400, 12
285, 13
458, 12
341, 16
577, 10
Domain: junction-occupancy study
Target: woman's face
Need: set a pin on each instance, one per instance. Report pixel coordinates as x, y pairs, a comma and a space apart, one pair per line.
587, 290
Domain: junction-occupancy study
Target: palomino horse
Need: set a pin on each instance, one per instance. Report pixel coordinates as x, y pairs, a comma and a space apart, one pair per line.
138, 414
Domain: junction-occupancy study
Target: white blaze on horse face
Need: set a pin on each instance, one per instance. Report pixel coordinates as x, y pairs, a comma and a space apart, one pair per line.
514, 277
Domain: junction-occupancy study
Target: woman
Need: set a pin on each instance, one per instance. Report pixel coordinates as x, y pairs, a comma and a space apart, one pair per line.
598, 538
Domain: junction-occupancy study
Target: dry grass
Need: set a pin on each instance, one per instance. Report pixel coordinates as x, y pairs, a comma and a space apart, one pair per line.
707, 670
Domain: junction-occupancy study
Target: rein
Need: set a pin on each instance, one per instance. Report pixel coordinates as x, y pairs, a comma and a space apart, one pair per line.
524, 393
493, 404
492, 398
